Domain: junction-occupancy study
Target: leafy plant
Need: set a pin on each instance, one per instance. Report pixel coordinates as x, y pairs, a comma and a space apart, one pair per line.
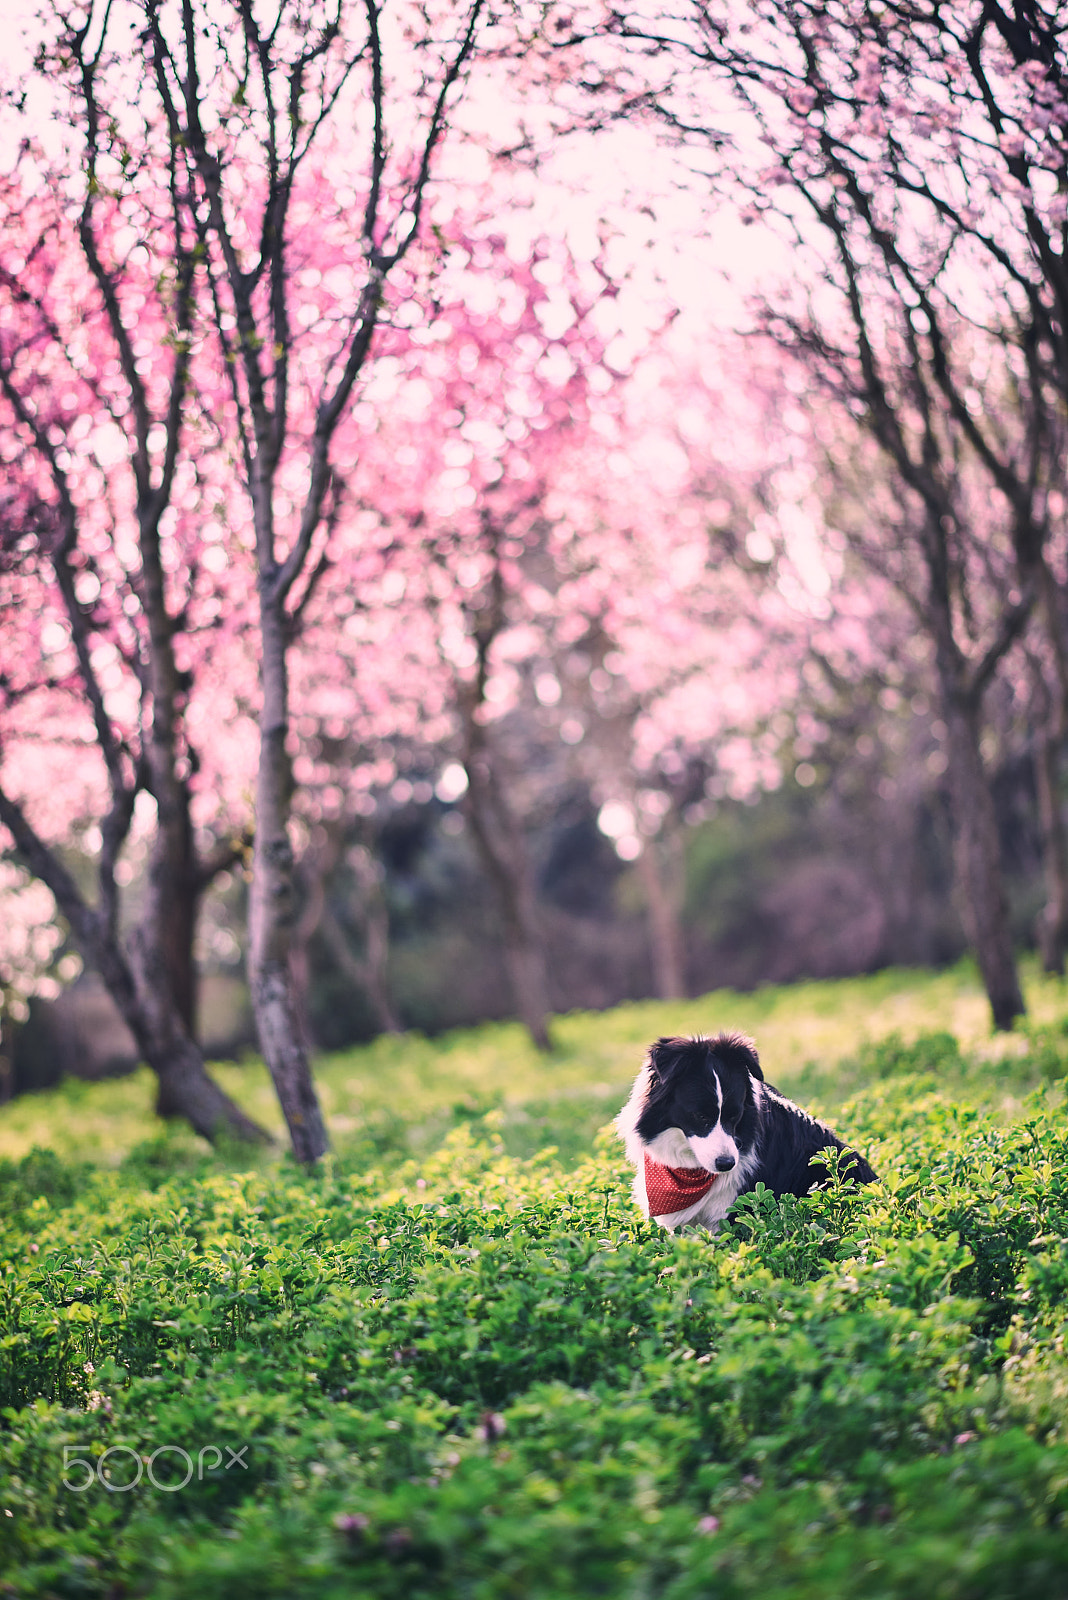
477, 1371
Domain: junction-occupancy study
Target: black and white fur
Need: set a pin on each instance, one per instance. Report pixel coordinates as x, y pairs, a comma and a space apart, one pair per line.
703, 1102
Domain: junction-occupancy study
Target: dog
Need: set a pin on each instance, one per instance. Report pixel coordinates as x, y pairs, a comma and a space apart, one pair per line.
702, 1127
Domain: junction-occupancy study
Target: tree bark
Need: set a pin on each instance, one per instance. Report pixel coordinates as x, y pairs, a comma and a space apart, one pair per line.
162, 949
666, 943
168, 923
1049, 698
372, 973
1052, 926
272, 905
140, 986
161, 1011
501, 846
185, 1088
978, 858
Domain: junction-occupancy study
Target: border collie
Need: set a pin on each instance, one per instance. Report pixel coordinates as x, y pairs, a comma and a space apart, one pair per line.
702, 1127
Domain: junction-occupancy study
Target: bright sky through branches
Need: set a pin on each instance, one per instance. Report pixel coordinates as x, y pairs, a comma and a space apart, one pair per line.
669, 240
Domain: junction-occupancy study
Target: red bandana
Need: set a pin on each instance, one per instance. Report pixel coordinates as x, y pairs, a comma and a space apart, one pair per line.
669, 1189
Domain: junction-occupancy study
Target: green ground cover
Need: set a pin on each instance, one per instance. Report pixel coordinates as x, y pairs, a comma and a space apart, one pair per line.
455, 1362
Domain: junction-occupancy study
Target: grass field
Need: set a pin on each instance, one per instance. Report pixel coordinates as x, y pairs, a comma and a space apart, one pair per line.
809, 1036
455, 1361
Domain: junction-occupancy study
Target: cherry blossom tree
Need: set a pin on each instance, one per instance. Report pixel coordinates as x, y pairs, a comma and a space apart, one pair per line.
98, 525
914, 158
497, 428
456, 439
236, 249
690, 581
256, 158
586, 575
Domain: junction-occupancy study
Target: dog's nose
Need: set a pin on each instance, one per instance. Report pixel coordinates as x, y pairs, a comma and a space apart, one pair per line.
724, 1163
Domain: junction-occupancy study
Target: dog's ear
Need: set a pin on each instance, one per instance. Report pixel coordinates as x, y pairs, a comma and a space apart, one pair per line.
736, 1050
664, 1057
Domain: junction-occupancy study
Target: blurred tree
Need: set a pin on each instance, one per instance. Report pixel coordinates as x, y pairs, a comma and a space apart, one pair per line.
926, 143
691, 606
30, 942
455, 473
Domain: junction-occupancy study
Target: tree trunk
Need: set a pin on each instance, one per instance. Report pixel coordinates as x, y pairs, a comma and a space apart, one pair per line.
978, 859
666, 932
500, 844
180, 923
185, 1088
139, 983
372, 973
167, 927
1048, 721
272, 906
313, 869
165, 975
156, 990
1052, 927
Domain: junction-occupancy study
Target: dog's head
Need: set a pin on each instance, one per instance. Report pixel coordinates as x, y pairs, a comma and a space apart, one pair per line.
700, 1101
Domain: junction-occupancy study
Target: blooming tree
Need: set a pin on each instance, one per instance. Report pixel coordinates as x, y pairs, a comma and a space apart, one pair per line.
256, 157
100, 537
914, 157
692, 583
562, 557
206, 220
456, 439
